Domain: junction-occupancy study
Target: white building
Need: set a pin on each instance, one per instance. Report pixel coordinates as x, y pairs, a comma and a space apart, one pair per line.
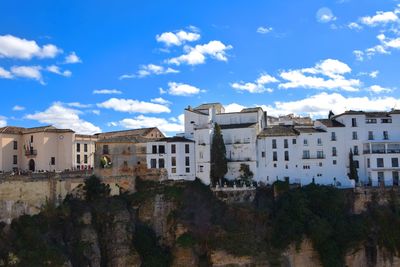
175, 154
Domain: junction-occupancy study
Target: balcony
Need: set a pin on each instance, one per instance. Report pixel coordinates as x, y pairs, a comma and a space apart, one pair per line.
30, 152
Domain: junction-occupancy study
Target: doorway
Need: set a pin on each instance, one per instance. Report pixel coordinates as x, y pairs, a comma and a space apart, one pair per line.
32, 165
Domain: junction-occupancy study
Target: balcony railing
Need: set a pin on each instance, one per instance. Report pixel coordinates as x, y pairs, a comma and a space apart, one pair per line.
31, 152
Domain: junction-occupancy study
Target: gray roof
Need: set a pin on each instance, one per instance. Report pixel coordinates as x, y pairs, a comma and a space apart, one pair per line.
278, 130
237, 126
331, 123
22, 130
208, 105
175, 139
377, 114
255, 109
309, 130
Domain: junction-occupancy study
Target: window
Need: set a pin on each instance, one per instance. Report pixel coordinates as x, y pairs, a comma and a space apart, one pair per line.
368, 121
319, 141
53, 161
173, 161
334, 162
395, 162
154, 149
84, 147
273, 143
355, 150
285, 143
386, 121
368, 163
201, 155
319, 164
153, 163
78, 147
186, 148
353, 122
385, 135
357, 164
173, 149
333, 136
173, 170
306, 167
305, 142
161, 149
370, 135
320, 154
85, 159
379, 162
306, 154
201, 168
161, 163
286, 155
263, 154
105, 149
293, 141
15, 145
187, 170
395, 176
275, 156
31, 138
187, 161
355, 136
15, 159
334, 152
78, 159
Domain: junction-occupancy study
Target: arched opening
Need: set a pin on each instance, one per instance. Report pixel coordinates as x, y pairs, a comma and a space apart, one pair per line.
31, 165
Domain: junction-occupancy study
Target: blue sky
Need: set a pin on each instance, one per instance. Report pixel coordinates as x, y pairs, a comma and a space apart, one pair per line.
101, 66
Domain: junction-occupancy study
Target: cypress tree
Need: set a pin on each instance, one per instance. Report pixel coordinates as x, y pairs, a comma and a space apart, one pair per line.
353, 174
219, 164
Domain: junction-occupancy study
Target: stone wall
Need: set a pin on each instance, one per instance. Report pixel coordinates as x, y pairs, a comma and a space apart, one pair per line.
232, 195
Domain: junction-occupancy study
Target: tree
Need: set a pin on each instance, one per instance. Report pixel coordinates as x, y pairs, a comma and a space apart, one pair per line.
245, 173
219, 164
353, 174
95, 189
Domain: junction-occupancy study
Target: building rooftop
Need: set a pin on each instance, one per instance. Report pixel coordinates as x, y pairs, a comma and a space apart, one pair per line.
132, 132
237, 125
209, 105
331, 123
22, 130
309, 130
175, 139
278, 130
125, 139
377, 114
255, 109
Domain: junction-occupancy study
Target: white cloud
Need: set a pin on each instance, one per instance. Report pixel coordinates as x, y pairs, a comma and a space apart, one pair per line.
332, 69
325, 15
233, 107
63, 117
198, 54
72, 58
96, 111
171, 125
264, 30
160, 100
107, 92
377, 89
181, 89
150, 69
29, 72
133, 106
19, 48
55, 69
374, 74
79, 105
18, 108
380, 18
177, 38
354, 26
256, 87
386, 44
359, 55
319, 105
3, 121
5, 74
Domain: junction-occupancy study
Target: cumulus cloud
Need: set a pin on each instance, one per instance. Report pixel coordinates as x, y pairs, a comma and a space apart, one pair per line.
133, 106
55, 69
160, 100
354, 26
72, 58
107, 92
264, 30
327, 74
19, 48
198, 54
257, 86
233, 107
380, 18
18, 108
63, 117
29, 72
150, 69
3, 121
5, 74
177, 38
79, 105
181, 89
325, 15
319, 105
377, 89
167, 126
384, 47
